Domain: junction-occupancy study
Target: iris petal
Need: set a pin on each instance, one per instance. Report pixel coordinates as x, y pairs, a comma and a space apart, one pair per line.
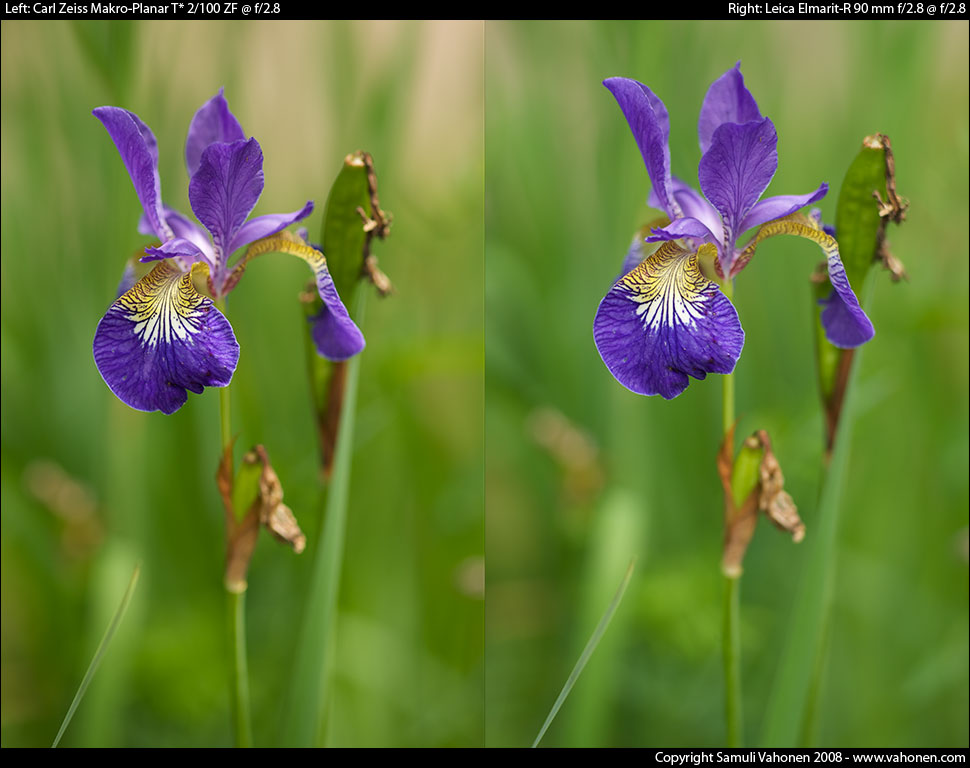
685, 227
727, 101
779, 207
335, 334
695, 206
128, 279
639, 247
138, 149
225, 189
183, 226
664, 321
178, 248
735, 171
634, 255
211, 124
647, 117
846, 324
161, 338
270, 224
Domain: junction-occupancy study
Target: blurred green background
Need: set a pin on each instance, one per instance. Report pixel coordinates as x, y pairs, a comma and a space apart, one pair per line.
581, 474
89, 486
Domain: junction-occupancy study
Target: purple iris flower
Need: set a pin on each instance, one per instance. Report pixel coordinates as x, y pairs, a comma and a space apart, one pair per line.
664, 320
163, 336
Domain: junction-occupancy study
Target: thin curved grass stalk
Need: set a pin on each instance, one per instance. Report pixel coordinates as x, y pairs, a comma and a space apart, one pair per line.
587, 653
99, 653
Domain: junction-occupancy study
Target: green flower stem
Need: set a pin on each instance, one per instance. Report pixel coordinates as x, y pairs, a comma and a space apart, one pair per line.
733, 714
236, 614
225, 419
239, 681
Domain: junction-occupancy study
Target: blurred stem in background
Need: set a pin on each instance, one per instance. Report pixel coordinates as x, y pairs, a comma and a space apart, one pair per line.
352, 219
868, 201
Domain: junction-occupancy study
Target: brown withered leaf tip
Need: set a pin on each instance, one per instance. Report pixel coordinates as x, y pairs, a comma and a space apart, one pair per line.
273, 513
892, 209
267, 509
739, 522
378, 224
769, 496
773, 500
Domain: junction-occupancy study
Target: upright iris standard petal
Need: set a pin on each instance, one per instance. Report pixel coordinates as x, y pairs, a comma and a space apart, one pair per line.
734, 173
212, 124
727, 101
225, 189
335, 334
138, 149
647, 117
845, 322
161, 338
664, 321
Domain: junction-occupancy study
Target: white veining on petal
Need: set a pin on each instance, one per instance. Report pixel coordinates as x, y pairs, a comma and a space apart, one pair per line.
668, 287
164, 307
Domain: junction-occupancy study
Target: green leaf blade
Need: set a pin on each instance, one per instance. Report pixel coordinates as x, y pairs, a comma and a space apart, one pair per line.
99, 654
587, 652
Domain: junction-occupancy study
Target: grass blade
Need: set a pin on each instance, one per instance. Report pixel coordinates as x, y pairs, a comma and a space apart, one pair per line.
309, 684
587, 652
99, 654
801, 657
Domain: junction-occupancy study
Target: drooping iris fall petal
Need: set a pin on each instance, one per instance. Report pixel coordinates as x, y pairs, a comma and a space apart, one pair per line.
334, 333
845, 322
664, 321
162, 338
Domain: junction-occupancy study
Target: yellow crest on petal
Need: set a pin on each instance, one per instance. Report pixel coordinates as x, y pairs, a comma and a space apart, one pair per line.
668, 282
164, 304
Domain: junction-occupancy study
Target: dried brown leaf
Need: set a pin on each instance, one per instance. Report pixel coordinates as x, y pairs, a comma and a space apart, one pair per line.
773, 500
273, 513
266, 509
739, 522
